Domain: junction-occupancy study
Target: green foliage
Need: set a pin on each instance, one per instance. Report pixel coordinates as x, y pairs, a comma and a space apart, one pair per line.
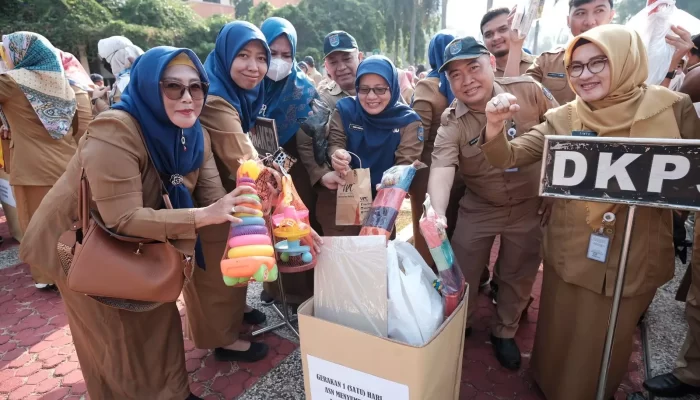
75, 25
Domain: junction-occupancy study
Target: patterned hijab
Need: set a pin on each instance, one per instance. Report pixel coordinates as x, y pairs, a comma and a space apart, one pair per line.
288, 100
76, 74
39, 74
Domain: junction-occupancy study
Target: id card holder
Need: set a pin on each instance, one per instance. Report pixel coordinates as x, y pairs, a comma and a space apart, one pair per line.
598, 247
510, 133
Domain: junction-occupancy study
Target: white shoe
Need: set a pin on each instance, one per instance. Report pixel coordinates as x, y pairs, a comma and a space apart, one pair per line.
41, 285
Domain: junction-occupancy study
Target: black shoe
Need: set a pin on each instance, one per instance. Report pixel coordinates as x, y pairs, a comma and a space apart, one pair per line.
507, 352
494, 291
256, 352
266, 298
193, 397
255, 317
524, 314
468, 332
667, 385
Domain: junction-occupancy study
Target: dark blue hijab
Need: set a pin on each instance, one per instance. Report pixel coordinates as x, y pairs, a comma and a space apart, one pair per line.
142, 99
375, 138
232, 38
436, 56
287, 100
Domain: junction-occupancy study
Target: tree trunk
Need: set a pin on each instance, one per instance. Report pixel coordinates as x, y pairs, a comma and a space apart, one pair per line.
396, 46
412, 41
489, 5
83, 57
444, 14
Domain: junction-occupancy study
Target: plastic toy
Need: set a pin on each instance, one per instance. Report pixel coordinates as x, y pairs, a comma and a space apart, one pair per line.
292, 231
451, 282
249, 253
385, 208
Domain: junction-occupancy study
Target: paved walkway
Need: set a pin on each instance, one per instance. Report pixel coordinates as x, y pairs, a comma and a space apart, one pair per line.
38, 361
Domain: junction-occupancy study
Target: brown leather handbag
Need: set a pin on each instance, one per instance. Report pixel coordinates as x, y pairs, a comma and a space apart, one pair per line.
125, 272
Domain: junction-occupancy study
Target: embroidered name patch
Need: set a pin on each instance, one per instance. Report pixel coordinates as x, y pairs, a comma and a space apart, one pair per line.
356, 127
556, 75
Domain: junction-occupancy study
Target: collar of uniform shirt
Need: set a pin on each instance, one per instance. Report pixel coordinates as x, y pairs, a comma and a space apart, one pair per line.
462, 109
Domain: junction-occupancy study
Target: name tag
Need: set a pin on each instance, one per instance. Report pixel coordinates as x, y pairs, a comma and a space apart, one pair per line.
584, 133
356, 127
514, 169
474, 141
598, 246
556, 75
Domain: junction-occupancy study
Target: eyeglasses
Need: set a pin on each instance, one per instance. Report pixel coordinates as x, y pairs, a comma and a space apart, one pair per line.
595, 66
377, 90
175, 90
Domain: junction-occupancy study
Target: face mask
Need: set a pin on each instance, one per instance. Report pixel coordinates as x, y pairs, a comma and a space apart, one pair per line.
107, 65
279, 69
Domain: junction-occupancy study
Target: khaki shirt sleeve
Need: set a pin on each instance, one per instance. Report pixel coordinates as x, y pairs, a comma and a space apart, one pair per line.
447, 143
305, 147
410, 147
337, 139
209, 188
425, 111
228, 141
523, 150
544, 102
687, 117
83, 115
7, 86
535, 70
115, 181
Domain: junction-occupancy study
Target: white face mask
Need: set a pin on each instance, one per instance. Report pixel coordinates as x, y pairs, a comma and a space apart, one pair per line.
279, 69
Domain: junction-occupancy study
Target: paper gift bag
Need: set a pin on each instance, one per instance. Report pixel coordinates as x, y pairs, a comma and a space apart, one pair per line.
354, 199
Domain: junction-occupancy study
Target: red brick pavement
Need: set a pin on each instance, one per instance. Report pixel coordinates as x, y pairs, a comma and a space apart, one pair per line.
38, 360
482, 376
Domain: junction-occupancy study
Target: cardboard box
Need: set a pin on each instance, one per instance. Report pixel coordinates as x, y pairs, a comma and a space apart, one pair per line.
343, 363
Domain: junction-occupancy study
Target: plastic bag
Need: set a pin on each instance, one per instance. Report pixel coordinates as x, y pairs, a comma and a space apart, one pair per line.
291, 231
392, 191
415, 307
350, 283
653, 23
315, 127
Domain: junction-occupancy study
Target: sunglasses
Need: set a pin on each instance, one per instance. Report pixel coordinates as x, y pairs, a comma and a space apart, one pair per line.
174, 90
377, 90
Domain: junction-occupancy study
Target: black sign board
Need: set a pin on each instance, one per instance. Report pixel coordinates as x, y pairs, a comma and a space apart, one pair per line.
661, 173
264, 136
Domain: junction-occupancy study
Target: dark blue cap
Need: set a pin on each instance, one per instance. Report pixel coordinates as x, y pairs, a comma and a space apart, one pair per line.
464, 48
338, 41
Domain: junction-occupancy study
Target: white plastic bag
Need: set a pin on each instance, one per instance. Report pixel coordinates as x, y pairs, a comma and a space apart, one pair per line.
416, 309
653, 29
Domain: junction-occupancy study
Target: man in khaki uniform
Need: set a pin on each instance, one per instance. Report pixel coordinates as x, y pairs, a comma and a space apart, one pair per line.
496, 31
496, 202
313, 73
342, 58
548, 69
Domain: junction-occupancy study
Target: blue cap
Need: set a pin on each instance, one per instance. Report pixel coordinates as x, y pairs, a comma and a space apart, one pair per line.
465, 48
338, 41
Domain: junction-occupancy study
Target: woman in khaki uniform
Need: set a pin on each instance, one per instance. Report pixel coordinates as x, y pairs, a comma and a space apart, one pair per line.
125, 354
288, 97
374, 126
215, 311
39, 106
607, 67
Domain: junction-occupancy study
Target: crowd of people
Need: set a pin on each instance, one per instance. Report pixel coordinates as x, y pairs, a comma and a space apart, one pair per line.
477, 117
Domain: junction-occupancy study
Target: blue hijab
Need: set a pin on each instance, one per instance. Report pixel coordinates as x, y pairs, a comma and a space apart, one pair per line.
232, 38
142, 99
436, 56
287, 100
375, 138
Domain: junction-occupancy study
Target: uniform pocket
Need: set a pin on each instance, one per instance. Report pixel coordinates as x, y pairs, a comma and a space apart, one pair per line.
554, 81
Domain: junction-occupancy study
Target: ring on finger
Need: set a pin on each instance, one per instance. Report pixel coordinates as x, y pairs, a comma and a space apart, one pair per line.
233, 210
496, 101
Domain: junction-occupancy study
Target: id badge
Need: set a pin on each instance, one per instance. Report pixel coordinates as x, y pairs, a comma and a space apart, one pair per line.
511, 133
598, 247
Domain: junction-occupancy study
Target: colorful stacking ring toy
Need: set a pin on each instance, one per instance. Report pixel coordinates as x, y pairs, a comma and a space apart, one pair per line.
249, 252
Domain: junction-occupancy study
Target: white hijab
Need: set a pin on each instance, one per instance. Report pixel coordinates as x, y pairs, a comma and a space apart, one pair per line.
117, 50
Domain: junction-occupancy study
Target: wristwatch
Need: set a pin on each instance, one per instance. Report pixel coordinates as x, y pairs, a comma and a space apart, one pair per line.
671, 74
